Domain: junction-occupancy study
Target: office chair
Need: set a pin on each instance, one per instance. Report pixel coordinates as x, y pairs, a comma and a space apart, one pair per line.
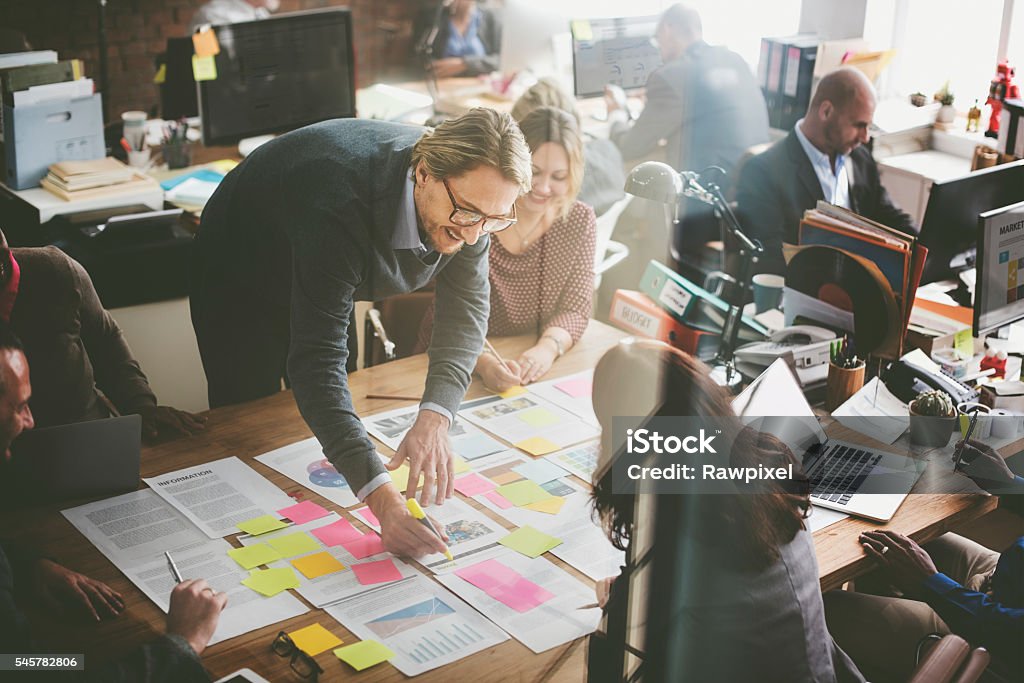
609, 253
949, 659
392, 326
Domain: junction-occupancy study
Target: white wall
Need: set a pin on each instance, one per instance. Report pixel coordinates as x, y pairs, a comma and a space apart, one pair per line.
833, 19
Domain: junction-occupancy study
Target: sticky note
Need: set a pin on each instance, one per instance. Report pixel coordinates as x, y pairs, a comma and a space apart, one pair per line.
368, 516
205, 43
538, 417
505, 585
523, 492
537, 445
270, 582
364, 546
381, 571
512, 392
223, 165
261, 525
254, 555
364, 654
473, 484
401, 477
306, 511
577, 387
317, 564
501, 501
530, 542
161, 75
581, 30
540, 471
552, 505
314, 639
294, 544
963, 342
476, 446
204, 68
460, 465
336, 533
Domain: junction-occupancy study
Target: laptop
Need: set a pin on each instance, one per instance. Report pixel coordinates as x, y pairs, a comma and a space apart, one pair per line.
84, 459
844, 476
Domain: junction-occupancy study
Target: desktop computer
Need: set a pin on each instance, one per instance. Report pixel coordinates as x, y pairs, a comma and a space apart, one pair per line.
535, 38
949, 228
618, 51
279, 74
999, 290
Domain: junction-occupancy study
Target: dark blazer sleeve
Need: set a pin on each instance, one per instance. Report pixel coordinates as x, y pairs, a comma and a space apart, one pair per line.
761, 210
874, 199
490, 35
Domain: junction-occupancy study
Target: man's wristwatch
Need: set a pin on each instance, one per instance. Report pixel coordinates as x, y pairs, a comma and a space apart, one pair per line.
558, 344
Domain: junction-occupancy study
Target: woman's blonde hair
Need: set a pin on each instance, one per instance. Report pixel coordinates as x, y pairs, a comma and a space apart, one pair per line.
480, 137
548, 124
545, 93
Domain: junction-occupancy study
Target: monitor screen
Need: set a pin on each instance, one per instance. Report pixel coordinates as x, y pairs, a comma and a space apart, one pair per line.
949, 228
178, 91
999, 293
613, 51
279, 74
530, 36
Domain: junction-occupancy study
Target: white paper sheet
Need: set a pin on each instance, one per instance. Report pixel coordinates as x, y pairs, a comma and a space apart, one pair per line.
218, 495
581, 460
304, 463
527, 416
823, 517
329, 588
390, 428
546, 626
134, 530
426, 625
874, 411
580, 406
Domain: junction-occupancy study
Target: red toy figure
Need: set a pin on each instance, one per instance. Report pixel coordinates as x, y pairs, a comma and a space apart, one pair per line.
1002, 88
995, 360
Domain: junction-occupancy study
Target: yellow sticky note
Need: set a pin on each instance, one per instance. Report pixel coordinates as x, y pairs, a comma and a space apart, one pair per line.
254, 555
537, 445
205, 43
204, 68
270, 582
364, 654
552, 505
530, 541
581, 30
523, 492
538, 417
314, 639
963, 342
512, 392
317, 564
461, 465
161, 74
401, 477
223, 165
261, 525
294, 544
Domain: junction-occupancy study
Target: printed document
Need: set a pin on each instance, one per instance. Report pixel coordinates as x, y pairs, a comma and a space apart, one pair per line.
304, 463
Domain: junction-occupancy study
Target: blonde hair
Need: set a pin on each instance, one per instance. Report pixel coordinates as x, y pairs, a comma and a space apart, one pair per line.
545, 93
480, 137
548, 124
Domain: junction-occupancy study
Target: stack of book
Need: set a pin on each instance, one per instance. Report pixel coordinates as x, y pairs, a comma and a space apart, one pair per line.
107, 177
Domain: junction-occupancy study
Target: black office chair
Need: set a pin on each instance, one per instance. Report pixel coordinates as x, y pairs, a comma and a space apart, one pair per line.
391, 328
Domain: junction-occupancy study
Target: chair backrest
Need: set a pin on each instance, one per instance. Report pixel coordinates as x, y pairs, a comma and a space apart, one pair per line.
401, 317
606, 223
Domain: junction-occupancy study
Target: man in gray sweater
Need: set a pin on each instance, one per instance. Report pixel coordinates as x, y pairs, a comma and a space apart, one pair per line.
345, 211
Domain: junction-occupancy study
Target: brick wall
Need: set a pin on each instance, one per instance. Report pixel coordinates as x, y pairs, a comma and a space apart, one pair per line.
137, 30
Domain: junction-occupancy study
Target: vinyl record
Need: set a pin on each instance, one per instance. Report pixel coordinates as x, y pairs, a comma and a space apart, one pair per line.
849, 283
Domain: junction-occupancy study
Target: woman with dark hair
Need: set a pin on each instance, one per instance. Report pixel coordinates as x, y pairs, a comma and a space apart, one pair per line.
747, 595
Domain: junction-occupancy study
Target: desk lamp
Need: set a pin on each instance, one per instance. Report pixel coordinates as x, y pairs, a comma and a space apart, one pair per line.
661, 183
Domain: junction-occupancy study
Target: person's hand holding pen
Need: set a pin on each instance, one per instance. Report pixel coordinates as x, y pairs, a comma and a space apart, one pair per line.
982, 464
195, 609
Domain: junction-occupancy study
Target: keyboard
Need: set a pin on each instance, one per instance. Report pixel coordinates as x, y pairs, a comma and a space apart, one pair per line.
837, 475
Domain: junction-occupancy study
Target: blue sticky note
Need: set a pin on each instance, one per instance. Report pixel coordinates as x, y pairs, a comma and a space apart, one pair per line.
207, 174
476, 446
540, 471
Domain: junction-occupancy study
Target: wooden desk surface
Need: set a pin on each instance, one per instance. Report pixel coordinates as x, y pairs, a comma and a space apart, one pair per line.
250, 429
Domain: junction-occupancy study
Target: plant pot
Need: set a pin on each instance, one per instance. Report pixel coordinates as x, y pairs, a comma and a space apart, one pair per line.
930, 431
946, 114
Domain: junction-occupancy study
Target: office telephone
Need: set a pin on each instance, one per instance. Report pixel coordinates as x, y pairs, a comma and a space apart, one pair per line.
906, 380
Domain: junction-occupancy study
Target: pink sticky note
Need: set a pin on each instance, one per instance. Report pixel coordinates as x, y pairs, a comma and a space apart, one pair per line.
306, 511
523, 595
336, 533
576, 388
498, 499
505, 585
367, 514
488, 574
364, 546
380, 571
473, 484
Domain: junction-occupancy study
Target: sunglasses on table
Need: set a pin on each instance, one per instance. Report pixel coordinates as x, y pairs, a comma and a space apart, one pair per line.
301, 663
466, 218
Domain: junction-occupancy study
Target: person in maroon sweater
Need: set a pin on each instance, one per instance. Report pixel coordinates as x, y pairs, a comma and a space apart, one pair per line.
542, 268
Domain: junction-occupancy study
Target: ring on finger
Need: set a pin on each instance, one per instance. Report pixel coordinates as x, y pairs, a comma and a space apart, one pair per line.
885, 549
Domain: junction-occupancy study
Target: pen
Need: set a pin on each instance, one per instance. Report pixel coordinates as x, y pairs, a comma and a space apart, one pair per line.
125, 145
421, 517
173, 567
963, 444
592, 605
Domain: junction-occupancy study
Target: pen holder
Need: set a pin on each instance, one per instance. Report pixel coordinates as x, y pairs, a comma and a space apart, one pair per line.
178, 154
842, 384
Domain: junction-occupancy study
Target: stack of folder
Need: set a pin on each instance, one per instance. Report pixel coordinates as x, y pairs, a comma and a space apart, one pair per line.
107, 177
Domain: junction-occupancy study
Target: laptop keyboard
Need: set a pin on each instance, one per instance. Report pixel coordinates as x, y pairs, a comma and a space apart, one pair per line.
840, 472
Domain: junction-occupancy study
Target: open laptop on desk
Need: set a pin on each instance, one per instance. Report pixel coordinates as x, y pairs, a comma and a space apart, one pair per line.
79, 460
844, 476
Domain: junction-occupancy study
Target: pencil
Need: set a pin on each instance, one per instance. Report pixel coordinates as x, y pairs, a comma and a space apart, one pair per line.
393, 397
497, 355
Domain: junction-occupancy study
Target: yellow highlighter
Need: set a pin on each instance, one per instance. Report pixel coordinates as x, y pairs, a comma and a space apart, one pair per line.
417, 512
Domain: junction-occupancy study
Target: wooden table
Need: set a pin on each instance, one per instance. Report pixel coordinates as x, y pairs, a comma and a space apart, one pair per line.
250, 429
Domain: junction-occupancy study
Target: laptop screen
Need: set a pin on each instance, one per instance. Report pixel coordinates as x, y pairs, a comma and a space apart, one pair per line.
775, 403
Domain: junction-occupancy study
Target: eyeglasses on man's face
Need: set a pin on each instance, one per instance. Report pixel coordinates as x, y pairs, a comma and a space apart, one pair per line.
467, 218
301, 663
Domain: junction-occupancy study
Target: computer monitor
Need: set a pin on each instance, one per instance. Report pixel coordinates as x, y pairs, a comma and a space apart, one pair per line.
178, 97
613, 51
999, 291
532, 36
279, 74
949, 228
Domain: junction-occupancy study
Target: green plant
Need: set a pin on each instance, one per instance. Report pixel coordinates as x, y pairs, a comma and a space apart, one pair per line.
933, 404
945, 95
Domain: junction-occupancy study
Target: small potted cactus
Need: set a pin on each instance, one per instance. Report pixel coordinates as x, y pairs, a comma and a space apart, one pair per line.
932, 419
